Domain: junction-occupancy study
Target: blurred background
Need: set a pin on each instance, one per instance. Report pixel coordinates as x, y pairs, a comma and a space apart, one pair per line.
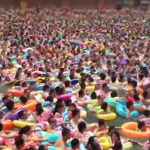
71, 3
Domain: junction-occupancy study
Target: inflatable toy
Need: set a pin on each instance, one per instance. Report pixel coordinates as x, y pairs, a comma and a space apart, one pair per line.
22, 124
15, 92
121, 110
30, 81
83, 112
127, 145
7, 125
38, 87
30, 106
66, 96
139, 107
130, 129
74, 82
90, 88
104, 142
111, 102
15, 116
110, 116
2, 141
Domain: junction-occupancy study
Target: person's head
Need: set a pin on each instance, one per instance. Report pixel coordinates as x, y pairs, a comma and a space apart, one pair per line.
101, 124
90, 79
104, 106
82, 127
49, 99
72, 106
92, 144
83, 86
10, 105
115, 136
75, 143
145, 94
46, 88
52, 93
66, 133
130, 105
81, 93
141, 76
25, 130
136, 97
42, 147
114, 94
113, 79
1, 127
134, 83
105, 88
23, 114
93, 95
39, 109
67, 102
142, 126
23, 99
76, 114
121, 78
67, 83
111, 129
27, 93
31, 148
146, 113
19, 143
59, 108
52, 122
24, 84
102, 76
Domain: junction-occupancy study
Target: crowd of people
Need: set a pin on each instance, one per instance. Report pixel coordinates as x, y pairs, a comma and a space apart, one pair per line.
101, 49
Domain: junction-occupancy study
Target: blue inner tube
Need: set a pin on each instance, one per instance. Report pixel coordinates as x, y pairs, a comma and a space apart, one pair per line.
121, 110
111, 102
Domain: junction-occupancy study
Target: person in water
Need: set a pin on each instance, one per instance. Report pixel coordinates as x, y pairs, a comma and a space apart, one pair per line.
75, 143
105, 107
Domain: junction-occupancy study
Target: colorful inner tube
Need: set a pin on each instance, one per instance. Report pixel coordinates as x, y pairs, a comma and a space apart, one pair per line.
110, 116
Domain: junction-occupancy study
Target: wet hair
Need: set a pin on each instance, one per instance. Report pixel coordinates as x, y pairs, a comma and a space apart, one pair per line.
17, 83
24, 130
19, 141
145, 94
52, 91
81, 126
74, 143
49, 99
92, 145
103, 76
113, 79
5, 97
23, 99
81, 92
83, 86
41, 147
129, 104
121, 77
31, 148
114, 94
24, 84
45, 87
93, 95
129, 80
91, 79
104, 106
134, 83
104, 85
136, 97
39, 109
57, 107
73, 105
146, 112
10, 105
67, 83
101, 122
75, 112
1, 127
50, 120
111, 128
65, 131
67, 102
141, 76
140, 124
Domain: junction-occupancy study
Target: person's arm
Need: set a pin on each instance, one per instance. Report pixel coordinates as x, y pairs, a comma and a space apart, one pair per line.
92, 106
60, 143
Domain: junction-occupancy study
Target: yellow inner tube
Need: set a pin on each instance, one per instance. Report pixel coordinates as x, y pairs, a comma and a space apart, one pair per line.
104, 142
110, 116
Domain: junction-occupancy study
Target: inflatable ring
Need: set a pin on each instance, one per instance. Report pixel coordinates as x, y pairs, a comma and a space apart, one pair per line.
15, 92
83, 112
139, 107
7, 125
30, 106
66, 96
22, 124
111, 102
30, 81
121, 110
127, 145
74, 82
104, 142
38, 87
96, 108
110, 116
19, 105
130, 129
90, 88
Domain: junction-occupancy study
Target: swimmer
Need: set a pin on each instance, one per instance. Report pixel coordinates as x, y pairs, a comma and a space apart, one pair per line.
105, 109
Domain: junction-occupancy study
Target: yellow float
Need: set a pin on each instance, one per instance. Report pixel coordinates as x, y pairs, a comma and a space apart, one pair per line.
22, 124
110, 116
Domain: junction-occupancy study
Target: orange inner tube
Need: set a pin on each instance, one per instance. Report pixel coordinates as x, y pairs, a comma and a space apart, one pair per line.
15, 92
130, 129
7, 125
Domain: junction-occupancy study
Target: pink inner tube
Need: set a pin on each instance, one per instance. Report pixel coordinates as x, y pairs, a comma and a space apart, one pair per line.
147, 121
59, 120
66, 96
